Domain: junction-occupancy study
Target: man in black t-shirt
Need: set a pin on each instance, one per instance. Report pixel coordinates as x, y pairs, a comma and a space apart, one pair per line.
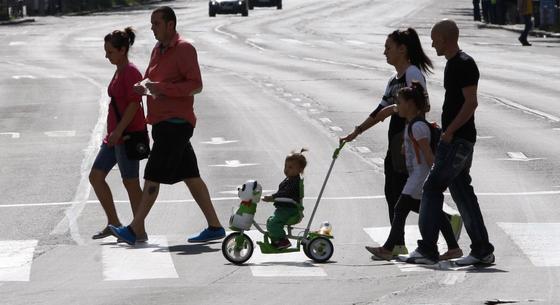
454, 155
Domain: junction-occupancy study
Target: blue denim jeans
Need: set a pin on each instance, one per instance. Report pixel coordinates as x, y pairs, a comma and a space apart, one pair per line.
452, 170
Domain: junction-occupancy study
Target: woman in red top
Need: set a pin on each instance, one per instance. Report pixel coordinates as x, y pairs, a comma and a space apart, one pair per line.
130, 118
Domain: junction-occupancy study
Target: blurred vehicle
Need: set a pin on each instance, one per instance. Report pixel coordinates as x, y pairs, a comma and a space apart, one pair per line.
265, 3
228, 7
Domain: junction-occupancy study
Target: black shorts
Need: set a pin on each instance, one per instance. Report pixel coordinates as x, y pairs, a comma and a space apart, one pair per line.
172, 158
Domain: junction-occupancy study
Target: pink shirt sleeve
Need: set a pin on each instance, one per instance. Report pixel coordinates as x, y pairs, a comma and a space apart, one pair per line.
132, 76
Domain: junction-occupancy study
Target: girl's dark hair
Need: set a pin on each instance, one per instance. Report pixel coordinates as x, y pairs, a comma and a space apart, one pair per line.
299, 158
121, 39
417, 94
416, 54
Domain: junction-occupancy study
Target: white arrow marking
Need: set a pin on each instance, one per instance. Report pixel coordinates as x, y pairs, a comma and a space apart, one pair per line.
519, 156
60, 133
15, 135
234, 163
218, 141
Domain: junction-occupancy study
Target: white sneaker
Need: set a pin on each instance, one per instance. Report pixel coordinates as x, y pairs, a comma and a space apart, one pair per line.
471, 260
416, 257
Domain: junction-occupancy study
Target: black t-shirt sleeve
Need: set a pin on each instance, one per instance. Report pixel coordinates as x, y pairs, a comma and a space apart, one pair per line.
376, 111
468, 73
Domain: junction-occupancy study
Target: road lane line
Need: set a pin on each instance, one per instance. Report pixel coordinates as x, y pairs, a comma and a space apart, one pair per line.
69, 222
150, 260
294, 264
515, 105
16, 257
540, 242
49, 204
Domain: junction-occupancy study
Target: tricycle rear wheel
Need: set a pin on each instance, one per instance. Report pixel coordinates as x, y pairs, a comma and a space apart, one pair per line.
319, 249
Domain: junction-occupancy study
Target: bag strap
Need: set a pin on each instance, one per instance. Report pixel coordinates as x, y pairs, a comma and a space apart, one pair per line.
117, 113
415, 144
114, 104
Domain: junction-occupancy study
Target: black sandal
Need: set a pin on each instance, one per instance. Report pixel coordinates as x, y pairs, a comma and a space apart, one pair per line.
106, 232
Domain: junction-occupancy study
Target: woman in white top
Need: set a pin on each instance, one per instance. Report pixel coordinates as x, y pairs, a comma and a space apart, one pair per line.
411, 105
403, 51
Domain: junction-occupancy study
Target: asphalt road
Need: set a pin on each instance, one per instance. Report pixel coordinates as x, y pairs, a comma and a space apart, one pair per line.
274, 82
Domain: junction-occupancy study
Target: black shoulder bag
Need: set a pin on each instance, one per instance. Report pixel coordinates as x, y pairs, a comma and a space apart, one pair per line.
136, 143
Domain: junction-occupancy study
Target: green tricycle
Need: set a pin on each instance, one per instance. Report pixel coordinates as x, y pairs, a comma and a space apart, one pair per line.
238, 247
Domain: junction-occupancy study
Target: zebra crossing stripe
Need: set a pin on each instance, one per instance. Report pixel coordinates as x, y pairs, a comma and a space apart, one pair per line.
538, 241
294, 264
16, 257
150, 260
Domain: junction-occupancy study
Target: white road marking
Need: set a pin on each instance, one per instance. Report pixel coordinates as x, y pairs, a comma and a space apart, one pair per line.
356, 42
17, 43
287, 94
60, 133
363, 149
453, 278
13, 135
296, 99
219, 30
325, 120
24, 77
218, 141
150, 260
269, 85
294, 264
335, 128
306, 105
540, 242
484, 137
16, 257
377, 161
234, 163
70, 221
254, 45
526, 109
366, 197
519, 156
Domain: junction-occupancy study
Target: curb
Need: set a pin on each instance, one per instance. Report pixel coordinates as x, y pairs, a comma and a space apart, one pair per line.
514, 29
17, 21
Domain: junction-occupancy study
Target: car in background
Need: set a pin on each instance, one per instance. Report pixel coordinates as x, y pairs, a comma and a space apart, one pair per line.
265, 3
228, 7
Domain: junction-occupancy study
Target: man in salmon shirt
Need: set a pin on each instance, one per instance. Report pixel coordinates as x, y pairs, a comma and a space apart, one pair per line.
172, 79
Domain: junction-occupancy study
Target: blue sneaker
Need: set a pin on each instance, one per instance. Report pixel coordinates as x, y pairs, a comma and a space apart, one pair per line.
124, 233
208, 235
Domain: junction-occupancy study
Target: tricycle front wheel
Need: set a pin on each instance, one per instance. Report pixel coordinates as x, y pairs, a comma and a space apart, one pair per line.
237, 248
